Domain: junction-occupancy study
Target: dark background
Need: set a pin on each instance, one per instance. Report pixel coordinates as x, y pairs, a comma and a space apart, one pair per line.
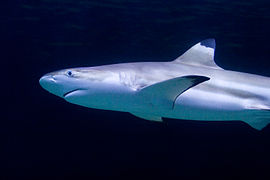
45, 137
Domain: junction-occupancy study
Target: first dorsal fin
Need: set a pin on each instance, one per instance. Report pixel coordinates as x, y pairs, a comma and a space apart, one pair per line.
201, 54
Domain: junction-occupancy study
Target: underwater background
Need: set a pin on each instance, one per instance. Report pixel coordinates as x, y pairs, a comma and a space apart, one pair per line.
45, 137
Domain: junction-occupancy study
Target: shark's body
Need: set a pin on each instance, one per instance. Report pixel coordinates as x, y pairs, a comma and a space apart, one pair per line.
191, 87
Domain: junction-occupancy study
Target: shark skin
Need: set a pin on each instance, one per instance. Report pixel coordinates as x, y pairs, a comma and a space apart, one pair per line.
191, 87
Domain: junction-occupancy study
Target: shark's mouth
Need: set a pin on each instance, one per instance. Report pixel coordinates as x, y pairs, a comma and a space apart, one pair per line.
69, 92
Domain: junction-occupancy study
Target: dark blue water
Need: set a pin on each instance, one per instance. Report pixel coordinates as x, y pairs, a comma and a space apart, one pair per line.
45, 137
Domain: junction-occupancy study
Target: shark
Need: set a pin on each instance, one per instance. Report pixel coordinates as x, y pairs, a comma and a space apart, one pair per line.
191, 87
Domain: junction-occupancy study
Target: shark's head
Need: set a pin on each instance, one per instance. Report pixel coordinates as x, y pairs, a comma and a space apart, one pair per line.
88, 87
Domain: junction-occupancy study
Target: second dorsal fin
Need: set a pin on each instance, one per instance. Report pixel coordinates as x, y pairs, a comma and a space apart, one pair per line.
201, 54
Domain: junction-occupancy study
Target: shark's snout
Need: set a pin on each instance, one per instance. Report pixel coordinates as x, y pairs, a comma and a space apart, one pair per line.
46, 81
49, 83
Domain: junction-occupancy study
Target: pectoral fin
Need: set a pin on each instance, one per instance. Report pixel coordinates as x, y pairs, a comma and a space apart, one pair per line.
163, 94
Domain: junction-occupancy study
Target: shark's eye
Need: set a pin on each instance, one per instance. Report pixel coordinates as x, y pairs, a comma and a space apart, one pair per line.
69, 73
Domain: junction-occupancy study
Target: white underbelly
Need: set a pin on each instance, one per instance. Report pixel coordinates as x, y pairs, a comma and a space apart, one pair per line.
201, 105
